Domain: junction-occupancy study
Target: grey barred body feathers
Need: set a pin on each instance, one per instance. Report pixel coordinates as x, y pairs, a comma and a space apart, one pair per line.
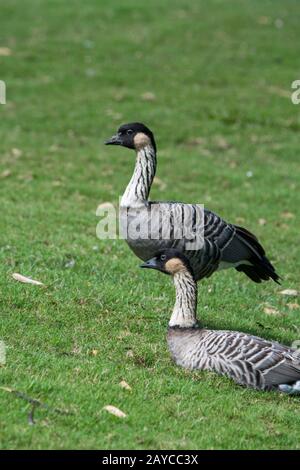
248, 360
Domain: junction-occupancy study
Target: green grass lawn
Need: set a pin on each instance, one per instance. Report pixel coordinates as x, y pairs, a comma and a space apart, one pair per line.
213, 81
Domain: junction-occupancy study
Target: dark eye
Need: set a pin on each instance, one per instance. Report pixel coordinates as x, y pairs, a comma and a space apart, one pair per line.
163, 257
129, 132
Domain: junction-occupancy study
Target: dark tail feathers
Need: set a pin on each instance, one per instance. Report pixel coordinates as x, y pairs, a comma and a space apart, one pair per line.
260, 269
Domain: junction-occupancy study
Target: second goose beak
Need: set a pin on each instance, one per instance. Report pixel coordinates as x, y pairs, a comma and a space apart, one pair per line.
114, 140
151, 263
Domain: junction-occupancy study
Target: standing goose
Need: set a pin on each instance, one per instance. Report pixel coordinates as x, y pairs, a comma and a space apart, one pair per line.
224, 245
250, 361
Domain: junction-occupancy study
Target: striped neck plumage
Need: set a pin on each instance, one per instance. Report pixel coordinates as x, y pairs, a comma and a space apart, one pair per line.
138, 189
184, 312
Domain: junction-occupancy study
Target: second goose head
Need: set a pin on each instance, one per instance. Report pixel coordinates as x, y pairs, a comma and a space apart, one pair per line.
134, 135
174, 263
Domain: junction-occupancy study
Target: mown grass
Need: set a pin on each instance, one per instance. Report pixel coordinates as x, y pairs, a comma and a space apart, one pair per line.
220, 73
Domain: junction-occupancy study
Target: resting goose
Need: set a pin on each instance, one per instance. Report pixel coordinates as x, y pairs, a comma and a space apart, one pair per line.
224, 245
250, 361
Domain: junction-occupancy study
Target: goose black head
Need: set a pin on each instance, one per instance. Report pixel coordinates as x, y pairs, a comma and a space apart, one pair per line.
133, 136
169, 262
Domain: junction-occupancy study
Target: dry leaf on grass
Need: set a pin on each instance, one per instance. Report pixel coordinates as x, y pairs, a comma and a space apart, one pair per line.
56, 183
5, 51
283, 226
262, 221
114, 411
148, 96
293, 306
125, 385
5, 173
26, 280
287, 215
16, 152
221, 143
271, 311
291, 292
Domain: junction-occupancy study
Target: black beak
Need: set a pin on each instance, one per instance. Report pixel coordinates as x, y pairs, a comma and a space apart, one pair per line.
114, 140
151, 263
